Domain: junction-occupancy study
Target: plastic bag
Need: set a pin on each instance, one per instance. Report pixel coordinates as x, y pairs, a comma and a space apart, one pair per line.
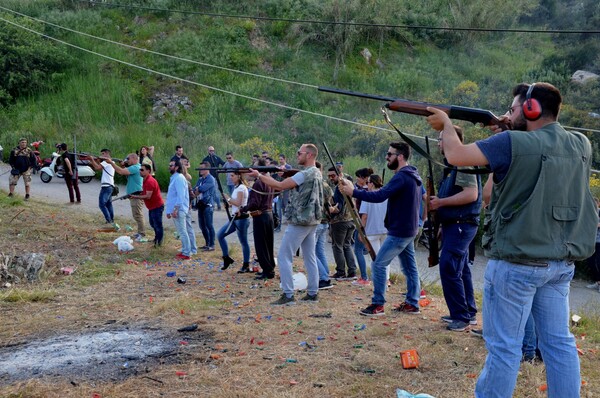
300, 281
124, 243
405, 394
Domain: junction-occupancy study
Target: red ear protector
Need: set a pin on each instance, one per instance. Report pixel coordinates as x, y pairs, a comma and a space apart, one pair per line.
532, 110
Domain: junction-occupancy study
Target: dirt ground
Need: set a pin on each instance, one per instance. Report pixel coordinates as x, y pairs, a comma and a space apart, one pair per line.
242, 346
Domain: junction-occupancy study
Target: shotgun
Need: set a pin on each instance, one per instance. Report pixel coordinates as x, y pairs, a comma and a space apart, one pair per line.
473, 115
353, 211
432, 231
262, 169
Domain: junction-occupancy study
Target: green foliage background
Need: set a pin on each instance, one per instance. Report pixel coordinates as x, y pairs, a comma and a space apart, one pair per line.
53, 92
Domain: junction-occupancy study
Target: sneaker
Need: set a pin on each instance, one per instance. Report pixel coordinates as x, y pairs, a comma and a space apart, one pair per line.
373, 310
407, 309
284, 300
361, 282
351, 276
183, 257
447, 319
26, 196
477, 332
141, 239
323, 285
136, 236
458, 326
311, 297
338, 276
595, 286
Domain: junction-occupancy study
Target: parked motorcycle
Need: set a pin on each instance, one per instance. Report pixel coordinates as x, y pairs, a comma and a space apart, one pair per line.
85, 172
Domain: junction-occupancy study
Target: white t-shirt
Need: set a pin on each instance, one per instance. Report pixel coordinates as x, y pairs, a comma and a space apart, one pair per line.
239, 190
108, 174
375, 217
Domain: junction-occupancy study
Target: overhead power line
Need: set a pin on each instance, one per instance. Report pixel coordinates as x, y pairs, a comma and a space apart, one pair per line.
365, 24
162, 54
200, 84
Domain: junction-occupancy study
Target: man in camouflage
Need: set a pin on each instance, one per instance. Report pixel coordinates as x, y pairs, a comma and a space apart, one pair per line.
21, 160
303, 214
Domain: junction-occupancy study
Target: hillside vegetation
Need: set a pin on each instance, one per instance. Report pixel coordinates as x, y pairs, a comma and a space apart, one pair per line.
54, 92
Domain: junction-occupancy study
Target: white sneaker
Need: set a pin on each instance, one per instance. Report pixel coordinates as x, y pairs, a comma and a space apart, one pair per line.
594, 285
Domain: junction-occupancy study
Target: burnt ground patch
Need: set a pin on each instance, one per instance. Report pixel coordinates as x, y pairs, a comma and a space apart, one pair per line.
109, 354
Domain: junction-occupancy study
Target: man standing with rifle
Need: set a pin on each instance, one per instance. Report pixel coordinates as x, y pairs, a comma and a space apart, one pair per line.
403, 193
303, 213
543, 218
457, 207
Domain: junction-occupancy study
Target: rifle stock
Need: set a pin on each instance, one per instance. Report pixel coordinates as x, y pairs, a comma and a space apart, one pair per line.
432, 232
473, 115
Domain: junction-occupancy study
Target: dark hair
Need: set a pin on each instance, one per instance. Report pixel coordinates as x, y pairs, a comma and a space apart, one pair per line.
229, 154
256, 155
545, 93
364, 172
178, 147
105, 150
402, 148
281, 155
261, 162
376, 180
206, 164
459, 133
177, 164
147, 167
318, 165
332, 169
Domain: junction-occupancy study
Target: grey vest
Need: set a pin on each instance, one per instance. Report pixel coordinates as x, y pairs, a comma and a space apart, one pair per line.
543, 209
306, 201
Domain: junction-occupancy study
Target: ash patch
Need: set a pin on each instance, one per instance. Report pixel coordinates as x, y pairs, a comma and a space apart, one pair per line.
103, 355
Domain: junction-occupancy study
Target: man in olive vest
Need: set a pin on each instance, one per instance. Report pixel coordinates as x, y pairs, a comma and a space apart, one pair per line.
303, 213
543, 218
458, 204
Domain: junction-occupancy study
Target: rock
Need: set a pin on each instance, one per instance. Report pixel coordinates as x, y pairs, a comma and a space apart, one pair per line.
366, 55
17, 269
582, 76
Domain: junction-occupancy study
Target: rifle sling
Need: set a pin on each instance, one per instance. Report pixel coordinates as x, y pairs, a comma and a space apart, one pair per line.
420, 151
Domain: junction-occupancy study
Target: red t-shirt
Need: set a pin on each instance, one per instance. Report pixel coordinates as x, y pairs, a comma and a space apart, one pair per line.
156, 200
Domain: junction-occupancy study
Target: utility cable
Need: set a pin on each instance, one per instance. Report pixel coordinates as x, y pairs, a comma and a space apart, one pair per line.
200, 84
162, 54
365, 24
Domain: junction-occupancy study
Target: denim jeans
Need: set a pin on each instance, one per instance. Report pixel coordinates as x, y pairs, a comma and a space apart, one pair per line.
205, 220
155, 217
241, 227
320, 241
359, 248
455, 273
105, 204
405, 250
511, 293
530, 339
183, 224
303, 237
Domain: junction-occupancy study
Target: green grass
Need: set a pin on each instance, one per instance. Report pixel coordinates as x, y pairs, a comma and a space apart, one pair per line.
89, 274
31, 295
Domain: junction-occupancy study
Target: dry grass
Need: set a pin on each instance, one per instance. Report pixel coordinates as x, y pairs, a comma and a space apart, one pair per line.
244, 347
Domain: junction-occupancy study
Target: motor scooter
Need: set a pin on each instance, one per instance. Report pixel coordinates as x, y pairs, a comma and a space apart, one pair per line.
85, 172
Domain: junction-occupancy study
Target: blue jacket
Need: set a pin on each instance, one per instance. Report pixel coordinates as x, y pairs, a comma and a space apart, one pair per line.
403, 193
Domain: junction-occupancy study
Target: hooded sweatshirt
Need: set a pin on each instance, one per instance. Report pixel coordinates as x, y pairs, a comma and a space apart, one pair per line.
403, 193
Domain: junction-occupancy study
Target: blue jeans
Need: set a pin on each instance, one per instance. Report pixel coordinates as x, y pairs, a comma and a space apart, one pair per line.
455, 273
183, 224
241, 227
359, 249
105, 204
205, 220
294, 237
321, 240
511, 293
155, 217
405, 250
530, 339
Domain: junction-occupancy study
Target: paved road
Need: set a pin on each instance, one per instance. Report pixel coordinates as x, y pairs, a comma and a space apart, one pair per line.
55, 191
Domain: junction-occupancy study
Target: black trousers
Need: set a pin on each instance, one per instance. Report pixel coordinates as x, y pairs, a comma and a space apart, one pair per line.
263, 242
594, 264
72, 184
